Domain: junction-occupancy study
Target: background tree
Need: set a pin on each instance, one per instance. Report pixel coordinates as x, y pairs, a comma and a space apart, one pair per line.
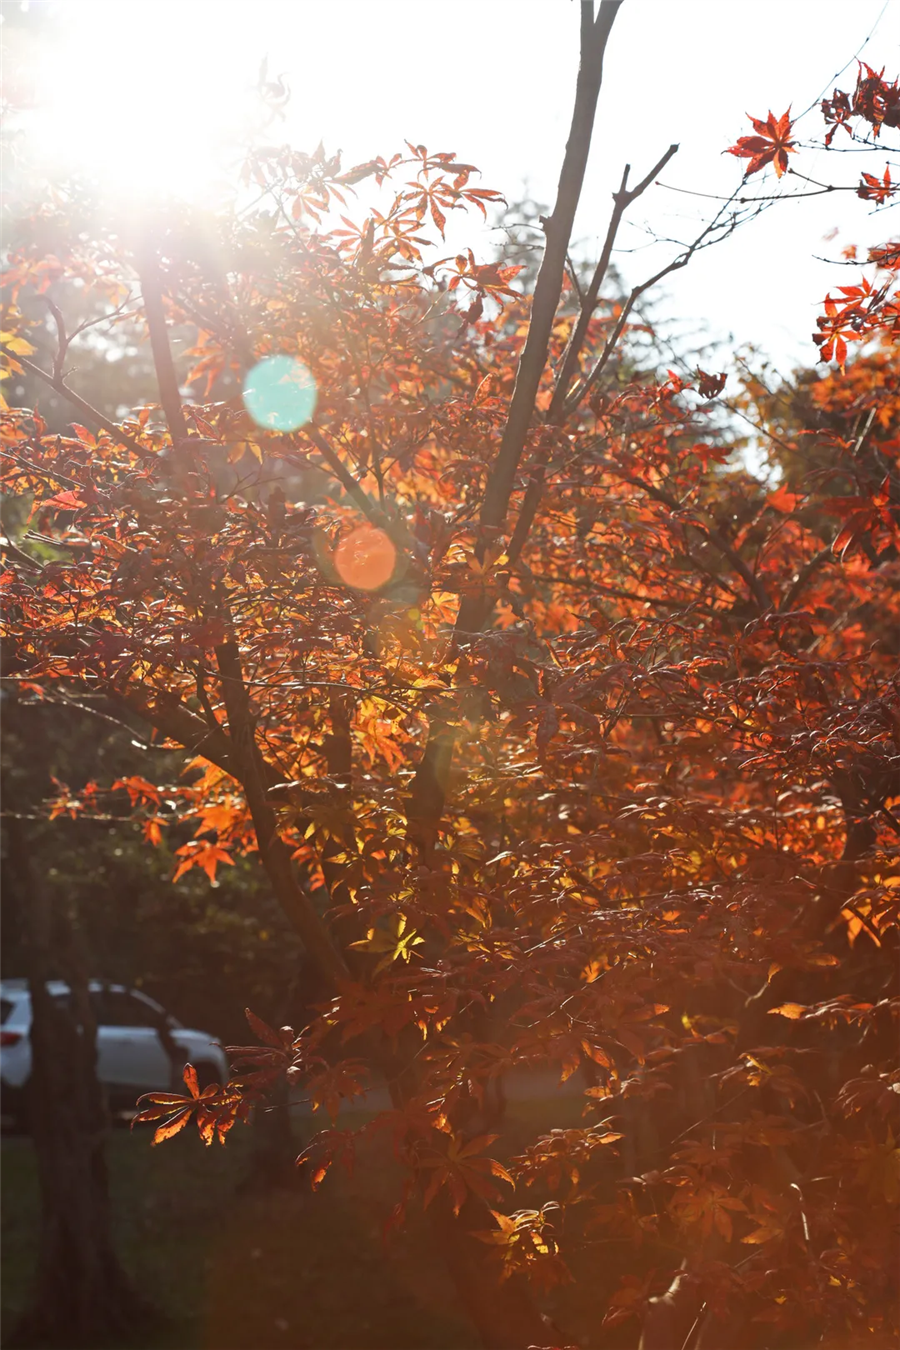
80, 1282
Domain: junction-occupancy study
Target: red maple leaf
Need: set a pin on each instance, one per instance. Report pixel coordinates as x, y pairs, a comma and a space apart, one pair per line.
709, 386
878, 190
771, 146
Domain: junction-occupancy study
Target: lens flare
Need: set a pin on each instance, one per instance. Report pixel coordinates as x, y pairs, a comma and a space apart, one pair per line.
280, 393
365, 558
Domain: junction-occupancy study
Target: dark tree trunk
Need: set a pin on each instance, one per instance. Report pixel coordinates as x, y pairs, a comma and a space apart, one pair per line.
273, 1163
503, 1311
82, 1296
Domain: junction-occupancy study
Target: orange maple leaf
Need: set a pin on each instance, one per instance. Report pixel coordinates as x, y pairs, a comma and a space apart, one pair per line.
783, 500
216, 1110
201, 853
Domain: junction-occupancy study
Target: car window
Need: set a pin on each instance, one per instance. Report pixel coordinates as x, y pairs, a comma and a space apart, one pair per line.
6, 1007
117, 1009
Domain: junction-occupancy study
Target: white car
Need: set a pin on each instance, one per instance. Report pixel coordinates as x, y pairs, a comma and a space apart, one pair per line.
140, 1047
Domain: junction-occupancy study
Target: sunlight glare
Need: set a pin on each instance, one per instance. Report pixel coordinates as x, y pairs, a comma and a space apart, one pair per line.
145, 97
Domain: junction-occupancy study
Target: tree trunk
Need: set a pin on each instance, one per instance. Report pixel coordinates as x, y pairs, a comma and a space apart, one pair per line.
503, 1311
82, 1295
273, 1163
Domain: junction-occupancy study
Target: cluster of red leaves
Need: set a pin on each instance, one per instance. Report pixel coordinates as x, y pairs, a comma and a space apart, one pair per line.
860, 313
874, 101
866, 310
214, 1110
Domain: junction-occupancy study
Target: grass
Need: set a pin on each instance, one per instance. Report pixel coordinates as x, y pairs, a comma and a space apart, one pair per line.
234, 1268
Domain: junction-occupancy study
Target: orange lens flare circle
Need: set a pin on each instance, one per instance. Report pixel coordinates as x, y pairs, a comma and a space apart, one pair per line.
365, 559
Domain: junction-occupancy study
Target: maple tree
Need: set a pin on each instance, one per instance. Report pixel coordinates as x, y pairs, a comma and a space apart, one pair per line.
561, 737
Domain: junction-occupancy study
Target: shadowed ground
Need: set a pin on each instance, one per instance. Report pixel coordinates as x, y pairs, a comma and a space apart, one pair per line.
232, 1269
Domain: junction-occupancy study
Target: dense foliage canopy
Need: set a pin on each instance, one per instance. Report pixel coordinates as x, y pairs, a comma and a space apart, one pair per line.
562, 737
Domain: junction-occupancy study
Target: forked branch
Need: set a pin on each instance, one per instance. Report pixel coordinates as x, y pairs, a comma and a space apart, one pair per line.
558, 410
622, 200
594, 36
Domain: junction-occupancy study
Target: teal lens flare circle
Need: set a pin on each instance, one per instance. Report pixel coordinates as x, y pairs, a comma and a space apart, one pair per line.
280, 393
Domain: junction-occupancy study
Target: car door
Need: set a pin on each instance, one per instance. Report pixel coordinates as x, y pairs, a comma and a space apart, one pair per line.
130, 1053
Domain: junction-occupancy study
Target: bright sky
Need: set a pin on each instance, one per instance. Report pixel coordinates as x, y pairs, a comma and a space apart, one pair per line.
138, 87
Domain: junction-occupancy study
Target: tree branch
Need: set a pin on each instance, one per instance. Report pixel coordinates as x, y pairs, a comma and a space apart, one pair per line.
373, 512
754, 585
91, 414
557, 410
594, 36
166, 377
702, 241
622, 200
824, 555
251, 772
178, 723
238, 755
428, 791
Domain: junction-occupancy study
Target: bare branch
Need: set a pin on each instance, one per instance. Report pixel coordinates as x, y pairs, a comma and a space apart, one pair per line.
348, 482
622, 200
557, 411
63, 341
549, 282
61, 700
704, 239
18, 555
177, 723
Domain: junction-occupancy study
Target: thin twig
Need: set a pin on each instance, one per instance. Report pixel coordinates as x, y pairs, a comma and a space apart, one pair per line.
702, 241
